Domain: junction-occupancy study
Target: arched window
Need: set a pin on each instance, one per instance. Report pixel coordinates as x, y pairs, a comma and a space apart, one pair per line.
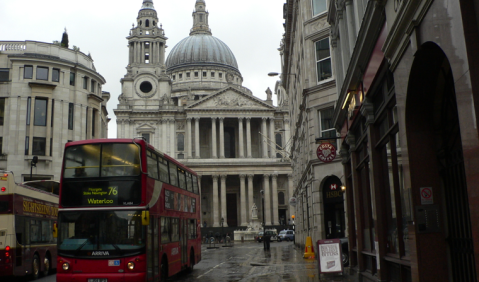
147, 23
279, 144
281, 198
181, 142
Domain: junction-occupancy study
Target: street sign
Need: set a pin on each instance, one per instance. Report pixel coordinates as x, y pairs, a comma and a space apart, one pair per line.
426, 195
326, 152
292, 201
329, 256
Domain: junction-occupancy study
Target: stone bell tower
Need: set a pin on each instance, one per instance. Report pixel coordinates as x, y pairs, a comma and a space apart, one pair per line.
146, 69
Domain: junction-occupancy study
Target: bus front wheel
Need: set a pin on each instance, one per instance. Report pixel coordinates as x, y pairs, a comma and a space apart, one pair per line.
36, 267
164, 269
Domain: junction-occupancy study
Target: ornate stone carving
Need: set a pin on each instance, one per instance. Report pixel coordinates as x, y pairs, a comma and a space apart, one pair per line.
180, 125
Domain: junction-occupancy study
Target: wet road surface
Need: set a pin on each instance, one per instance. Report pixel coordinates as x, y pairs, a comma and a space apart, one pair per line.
250, 262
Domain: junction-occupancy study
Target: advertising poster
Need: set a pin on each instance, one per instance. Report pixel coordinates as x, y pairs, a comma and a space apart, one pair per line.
329, 256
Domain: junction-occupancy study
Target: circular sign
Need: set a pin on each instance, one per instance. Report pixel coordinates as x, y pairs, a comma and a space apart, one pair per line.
326, 152
292, 201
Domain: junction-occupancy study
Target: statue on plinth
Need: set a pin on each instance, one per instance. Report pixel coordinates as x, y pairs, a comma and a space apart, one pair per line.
254, 212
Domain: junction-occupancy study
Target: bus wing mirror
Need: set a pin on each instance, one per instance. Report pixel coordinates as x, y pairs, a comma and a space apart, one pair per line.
55, 230
145, 217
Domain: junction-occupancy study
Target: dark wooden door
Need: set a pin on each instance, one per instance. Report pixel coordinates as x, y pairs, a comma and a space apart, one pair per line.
231, 210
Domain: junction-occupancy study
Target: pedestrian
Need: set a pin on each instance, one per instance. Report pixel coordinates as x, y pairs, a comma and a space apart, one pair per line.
267, 240
204, 224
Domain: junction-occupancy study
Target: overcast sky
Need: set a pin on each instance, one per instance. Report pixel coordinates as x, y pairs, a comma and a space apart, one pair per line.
251, 28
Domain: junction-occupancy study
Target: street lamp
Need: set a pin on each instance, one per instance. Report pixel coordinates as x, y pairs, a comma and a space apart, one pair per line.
33, 164
222, 221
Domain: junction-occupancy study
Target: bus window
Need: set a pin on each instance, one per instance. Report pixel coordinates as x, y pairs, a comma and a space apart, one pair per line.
120, 160
175, 229
181, 178
188, 182
82, 161
195, 184
164, 177
152, 165
4, 206
165, 230
192, 225
173, 174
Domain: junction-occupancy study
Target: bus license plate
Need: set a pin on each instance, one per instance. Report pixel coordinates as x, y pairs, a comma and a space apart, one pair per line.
97, 280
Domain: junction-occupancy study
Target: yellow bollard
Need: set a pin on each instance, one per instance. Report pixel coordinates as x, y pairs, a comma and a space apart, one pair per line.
308, 249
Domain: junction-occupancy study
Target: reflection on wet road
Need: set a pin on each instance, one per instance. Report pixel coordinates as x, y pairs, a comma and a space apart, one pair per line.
249, 262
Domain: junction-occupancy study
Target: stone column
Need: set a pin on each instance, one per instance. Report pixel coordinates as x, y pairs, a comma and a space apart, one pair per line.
350, 23
240, 136
274, 181
198, 206
163, 135
287, 135
222, 138
272, 139
248, 138
263, 137
223, 199
172, 137
267, 200
166, 124
197, 138
158, 134
213, 138
216, 215
49, 127
250, 196
189, 137
290, 191
244, 211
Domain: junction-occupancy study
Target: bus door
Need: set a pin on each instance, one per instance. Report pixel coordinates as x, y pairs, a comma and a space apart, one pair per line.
184, 241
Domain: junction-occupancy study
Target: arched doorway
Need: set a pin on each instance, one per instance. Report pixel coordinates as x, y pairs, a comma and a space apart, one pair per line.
443, 226
333, 204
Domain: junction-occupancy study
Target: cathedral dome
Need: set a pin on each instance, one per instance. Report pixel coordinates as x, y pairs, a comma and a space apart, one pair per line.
201, 49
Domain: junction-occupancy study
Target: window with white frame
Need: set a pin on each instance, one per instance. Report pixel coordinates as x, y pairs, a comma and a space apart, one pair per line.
326, 128
323, 59
319, 6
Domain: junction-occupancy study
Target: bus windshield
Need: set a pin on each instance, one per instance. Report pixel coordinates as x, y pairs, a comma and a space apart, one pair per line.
110, 233
102, 160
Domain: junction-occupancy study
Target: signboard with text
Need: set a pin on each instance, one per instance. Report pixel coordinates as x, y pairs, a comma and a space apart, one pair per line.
93, 196
326, 152
329, 256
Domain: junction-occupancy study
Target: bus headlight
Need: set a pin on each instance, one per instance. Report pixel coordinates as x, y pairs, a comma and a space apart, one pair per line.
131, 265
66, 266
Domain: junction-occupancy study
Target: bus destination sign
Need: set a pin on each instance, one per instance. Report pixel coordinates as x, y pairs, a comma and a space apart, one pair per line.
100, 196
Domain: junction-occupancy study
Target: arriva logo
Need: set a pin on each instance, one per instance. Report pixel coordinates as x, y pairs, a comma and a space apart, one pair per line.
100, 253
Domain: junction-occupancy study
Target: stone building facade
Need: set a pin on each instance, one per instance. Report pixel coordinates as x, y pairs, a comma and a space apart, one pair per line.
192, 106
407, 106
49, 95
308, 81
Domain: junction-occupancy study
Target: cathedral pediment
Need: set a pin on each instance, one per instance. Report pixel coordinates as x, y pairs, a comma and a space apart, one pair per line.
146, 127
231, 99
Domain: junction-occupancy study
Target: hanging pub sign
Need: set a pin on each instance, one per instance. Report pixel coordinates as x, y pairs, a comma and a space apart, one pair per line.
292, 201
326, 152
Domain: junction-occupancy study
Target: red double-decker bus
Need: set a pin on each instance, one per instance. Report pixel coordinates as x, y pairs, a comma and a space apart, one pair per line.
127, 212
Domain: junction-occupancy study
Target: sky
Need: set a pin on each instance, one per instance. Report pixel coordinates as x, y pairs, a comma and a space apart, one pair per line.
252, 29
